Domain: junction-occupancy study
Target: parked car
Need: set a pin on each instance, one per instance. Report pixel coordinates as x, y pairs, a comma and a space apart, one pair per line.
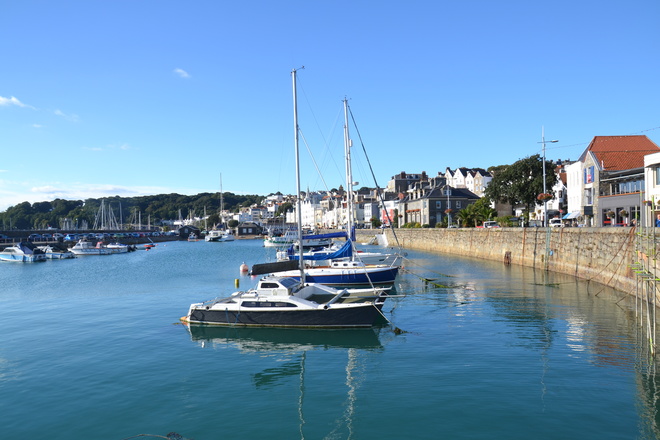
491, 224
34, 237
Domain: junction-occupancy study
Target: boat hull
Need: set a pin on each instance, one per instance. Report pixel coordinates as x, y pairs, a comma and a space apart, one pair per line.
353, 317
346, 277
23, 258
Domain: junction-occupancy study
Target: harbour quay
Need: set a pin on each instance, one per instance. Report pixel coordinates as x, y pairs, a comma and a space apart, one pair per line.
613, 256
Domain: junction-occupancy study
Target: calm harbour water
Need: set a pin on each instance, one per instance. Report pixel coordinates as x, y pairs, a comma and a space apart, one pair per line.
92, 348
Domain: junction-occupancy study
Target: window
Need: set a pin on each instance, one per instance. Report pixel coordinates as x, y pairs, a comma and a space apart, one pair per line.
657, 175
458, 204
589, 196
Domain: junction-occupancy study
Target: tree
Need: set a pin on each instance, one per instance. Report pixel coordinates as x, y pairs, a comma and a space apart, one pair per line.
375, 222
521, 182
284, 208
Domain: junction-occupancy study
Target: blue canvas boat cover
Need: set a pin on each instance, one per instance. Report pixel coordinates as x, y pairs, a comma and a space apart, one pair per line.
345, 251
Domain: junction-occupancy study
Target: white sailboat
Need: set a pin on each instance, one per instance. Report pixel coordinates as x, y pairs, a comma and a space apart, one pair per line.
225, 234
353, 267
285, 302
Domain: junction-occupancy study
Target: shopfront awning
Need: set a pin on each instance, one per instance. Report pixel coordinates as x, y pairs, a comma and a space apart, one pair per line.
571, 215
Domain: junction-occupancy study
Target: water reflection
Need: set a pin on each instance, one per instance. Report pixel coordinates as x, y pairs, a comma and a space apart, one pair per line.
293, 346
279, 339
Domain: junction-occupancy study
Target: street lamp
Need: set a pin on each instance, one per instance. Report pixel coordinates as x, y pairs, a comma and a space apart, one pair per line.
545, 201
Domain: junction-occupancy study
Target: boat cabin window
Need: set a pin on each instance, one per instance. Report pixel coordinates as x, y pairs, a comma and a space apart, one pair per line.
266, 304
269, 285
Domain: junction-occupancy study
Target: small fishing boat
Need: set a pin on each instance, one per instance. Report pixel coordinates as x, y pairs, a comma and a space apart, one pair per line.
193, 237
285, 302
22, 252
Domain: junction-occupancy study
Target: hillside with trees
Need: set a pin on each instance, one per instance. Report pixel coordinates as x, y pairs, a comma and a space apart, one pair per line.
156, 208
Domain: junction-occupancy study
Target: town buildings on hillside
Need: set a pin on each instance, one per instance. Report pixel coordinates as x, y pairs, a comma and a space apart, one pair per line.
607, 185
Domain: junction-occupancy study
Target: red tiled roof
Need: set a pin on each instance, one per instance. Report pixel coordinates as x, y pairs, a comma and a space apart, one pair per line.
618, 153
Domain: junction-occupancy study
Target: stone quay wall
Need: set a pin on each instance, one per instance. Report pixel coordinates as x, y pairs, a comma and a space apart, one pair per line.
604, 255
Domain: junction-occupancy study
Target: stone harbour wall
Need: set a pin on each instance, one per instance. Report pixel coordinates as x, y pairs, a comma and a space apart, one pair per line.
604, 255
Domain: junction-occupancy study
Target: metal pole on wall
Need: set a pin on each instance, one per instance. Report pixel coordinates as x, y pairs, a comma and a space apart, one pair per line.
545, 202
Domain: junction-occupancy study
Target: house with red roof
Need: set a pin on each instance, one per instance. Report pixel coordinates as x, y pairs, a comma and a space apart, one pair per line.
605, 184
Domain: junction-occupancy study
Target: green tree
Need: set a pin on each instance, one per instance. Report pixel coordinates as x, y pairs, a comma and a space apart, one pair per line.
284, 208
521, 182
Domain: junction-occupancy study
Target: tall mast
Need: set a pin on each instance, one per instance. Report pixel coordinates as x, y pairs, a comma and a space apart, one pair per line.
301, 263
222, 205
349, 174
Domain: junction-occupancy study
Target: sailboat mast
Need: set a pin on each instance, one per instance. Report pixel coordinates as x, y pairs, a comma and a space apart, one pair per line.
301, 263
349, 174
222, 206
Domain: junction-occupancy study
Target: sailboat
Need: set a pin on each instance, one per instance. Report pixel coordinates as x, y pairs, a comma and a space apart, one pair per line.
217, 235
344, 266
287, 302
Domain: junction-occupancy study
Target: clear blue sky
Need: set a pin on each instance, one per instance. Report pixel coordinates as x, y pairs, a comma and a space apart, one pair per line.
103, 98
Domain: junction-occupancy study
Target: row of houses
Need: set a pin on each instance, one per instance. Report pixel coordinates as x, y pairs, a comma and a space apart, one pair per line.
615, 181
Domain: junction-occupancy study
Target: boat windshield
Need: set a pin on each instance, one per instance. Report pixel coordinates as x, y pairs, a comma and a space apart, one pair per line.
288, 282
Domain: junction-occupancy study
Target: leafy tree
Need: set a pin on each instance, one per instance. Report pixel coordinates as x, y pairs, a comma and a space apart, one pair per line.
375, 222
213, 219
284, 208
521, 182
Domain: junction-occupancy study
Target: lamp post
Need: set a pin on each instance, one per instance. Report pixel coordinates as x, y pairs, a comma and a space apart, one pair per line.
545, 201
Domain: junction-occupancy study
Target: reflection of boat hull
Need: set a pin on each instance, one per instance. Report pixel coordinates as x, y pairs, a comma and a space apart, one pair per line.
363, 316
281, 338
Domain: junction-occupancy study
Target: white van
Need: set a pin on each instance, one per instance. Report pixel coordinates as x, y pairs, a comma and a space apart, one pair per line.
555, 223
491, 224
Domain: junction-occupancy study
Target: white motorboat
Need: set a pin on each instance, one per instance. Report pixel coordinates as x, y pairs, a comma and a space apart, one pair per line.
219, 235
22, 252
286, 302
83, 247
118, 248
55, 254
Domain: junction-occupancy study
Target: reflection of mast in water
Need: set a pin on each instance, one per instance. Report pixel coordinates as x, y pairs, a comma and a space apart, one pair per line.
301, 416
296, 343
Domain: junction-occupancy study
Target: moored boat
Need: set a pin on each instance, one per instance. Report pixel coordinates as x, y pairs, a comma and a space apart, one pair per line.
285, 302
83, 247
23, 253
53, 253
288, 302
291, 237
339, 273
217, 235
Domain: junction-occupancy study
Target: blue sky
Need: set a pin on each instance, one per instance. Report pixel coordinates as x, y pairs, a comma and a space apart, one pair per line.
104, 98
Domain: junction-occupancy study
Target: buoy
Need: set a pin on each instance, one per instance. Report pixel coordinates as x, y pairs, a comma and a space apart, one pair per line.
236, 282
244, 267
